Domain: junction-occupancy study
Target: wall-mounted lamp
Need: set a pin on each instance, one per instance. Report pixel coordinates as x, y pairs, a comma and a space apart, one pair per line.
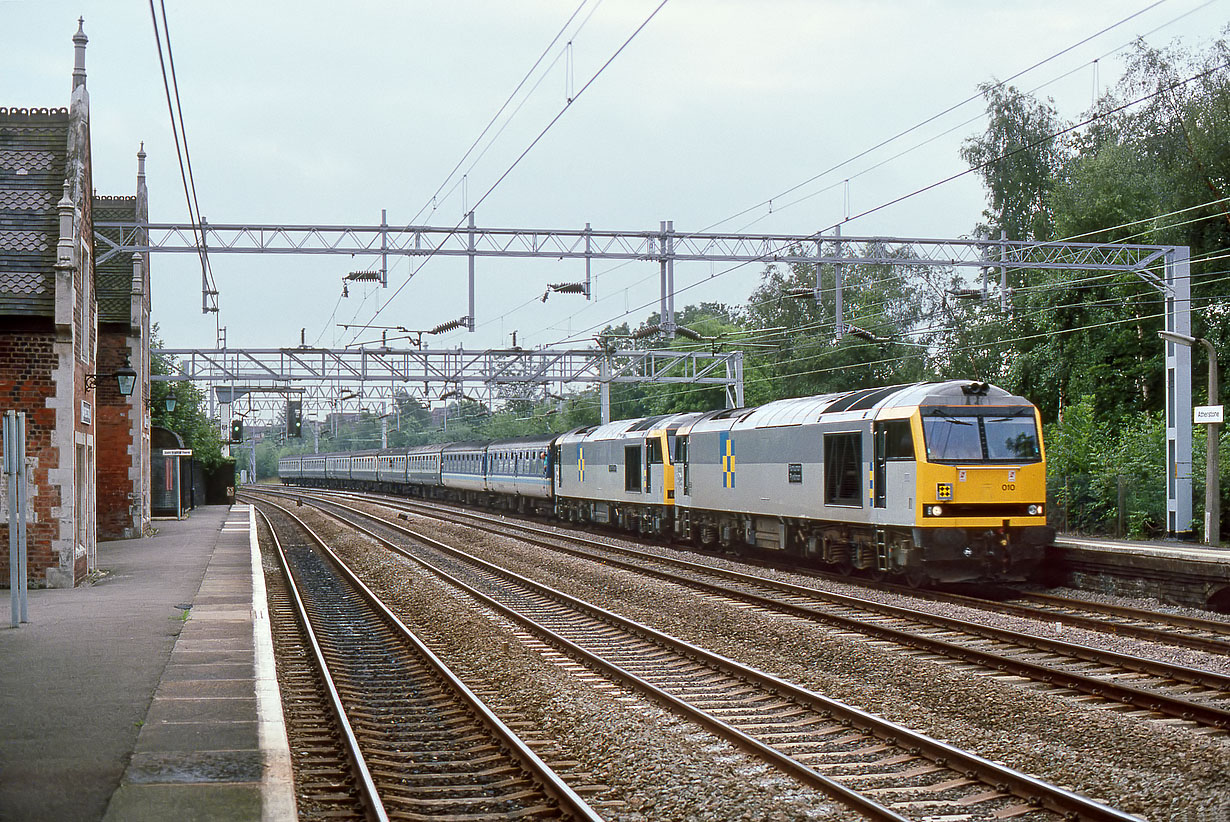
168, 403
125, 377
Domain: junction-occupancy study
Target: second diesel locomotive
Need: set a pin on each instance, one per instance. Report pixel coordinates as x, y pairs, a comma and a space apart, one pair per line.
931, 482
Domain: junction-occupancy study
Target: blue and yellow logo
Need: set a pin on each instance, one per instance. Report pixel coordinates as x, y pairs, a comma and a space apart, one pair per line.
581, 463
943, 490
726, 446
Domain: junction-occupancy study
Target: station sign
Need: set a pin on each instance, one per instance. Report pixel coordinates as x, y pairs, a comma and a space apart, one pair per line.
177, 452
1208, 414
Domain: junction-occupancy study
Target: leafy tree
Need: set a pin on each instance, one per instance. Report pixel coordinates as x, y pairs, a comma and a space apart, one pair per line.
885, 312
1018, 158
189, 419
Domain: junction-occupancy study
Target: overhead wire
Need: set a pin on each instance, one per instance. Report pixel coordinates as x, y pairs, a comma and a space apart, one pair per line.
934, 117
517, 161
433, 199
927, 121
950, 178
495, 117
182, 154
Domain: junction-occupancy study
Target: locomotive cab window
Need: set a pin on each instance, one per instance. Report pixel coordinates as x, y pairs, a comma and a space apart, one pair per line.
1012, 438
843, 465
981, 435
654, 448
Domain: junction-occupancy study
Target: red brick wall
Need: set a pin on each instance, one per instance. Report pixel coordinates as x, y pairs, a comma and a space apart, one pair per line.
27, 358
113, 439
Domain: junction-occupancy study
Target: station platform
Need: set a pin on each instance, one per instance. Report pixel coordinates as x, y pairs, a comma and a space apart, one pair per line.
1176, 573
149, 693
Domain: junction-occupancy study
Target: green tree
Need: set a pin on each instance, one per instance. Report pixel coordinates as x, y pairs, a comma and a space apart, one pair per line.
189, 419
1018, 157
886, 312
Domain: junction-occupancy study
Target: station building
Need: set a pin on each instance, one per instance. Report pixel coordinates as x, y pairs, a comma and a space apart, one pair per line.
67, 324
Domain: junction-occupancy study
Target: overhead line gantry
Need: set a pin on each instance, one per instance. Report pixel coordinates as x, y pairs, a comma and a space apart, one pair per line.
1166, 268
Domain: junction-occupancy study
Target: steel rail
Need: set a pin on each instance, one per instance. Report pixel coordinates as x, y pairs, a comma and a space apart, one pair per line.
551, 782
1210, 626
1034, 791
1132, 696
1043, 611
365, 783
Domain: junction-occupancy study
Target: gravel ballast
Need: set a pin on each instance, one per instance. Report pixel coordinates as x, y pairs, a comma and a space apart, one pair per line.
1156, 768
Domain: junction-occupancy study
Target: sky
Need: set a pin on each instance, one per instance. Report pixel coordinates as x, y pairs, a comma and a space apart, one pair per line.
325, 114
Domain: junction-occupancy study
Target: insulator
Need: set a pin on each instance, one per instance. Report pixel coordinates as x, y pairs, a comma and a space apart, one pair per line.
448, 326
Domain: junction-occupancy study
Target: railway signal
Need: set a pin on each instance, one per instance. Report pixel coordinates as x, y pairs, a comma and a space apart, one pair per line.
236, 430
294, 418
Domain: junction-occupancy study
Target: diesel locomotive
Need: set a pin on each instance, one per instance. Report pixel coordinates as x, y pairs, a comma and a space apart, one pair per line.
928, 482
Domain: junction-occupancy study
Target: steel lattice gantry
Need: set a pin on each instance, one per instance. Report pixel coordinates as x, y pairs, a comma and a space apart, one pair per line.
1167, 268
353, 377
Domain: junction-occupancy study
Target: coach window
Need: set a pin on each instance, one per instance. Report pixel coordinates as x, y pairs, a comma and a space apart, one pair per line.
843, 460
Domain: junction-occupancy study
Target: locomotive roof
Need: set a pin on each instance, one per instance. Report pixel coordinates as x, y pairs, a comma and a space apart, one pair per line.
804, 410
618, 429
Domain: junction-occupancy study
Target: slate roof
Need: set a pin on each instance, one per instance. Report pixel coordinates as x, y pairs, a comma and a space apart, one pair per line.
113, 276
33, 154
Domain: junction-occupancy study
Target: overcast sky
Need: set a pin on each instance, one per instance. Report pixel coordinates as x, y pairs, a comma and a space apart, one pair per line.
326, 113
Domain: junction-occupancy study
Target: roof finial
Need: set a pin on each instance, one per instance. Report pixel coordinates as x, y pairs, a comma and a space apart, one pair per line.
79, 41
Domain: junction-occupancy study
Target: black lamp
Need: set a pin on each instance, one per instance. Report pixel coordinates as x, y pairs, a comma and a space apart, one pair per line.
168, 402
125, 377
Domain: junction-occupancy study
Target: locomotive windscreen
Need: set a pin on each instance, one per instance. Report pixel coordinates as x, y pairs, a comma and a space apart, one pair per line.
981, 435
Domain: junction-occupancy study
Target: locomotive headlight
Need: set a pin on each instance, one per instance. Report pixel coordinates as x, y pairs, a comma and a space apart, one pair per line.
1035, 510
936, 510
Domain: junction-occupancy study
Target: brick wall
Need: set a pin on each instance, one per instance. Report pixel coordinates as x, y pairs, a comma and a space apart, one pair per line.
117, 491
27, 358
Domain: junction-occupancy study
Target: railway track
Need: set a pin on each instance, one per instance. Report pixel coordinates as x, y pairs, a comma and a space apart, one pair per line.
1154, 687
1209, 635
417, 742
1205, 635
881, 769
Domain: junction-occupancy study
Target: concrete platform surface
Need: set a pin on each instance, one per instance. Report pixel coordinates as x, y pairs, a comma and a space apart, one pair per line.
150, 693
